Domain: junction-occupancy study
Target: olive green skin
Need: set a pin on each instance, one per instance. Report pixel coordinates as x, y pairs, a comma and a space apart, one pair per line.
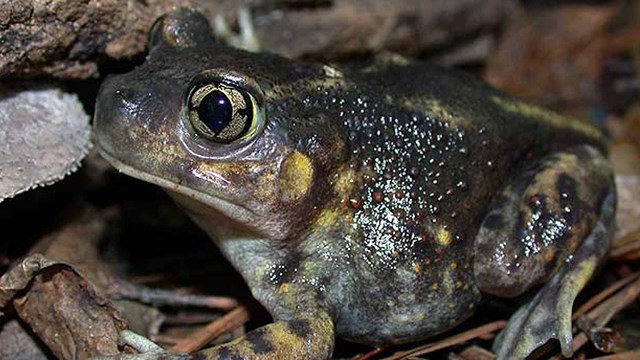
382, 200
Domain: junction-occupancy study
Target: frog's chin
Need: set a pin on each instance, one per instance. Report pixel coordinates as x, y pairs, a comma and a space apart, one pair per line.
185, 195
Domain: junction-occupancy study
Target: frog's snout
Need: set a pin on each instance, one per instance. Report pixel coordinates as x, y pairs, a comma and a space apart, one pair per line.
117, 108
110, 99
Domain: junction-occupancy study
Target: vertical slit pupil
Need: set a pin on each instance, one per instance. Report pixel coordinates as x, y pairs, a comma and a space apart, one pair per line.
215, 111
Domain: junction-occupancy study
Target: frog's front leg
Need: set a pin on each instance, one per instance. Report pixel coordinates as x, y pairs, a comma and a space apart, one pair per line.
552, 224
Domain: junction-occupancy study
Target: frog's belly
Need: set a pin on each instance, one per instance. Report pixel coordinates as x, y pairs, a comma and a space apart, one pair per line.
397, 312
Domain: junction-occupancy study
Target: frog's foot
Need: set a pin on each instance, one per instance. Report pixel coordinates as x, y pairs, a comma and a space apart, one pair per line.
246, 39
301, 338
548, 315
551, 224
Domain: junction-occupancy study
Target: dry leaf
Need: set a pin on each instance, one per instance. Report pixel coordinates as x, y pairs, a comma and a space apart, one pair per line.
44, 133
62, 308
554, 55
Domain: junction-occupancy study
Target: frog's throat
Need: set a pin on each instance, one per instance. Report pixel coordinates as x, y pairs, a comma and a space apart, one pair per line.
228, 208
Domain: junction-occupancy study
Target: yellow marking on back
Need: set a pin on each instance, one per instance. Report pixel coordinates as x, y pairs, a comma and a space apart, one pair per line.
430, 107
344, 182
334, 79
548, 178
547, 116
332, 72
328, 217
443, 237
448, 282
296, 176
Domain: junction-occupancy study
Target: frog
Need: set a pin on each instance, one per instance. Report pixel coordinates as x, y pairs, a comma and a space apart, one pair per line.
378, 202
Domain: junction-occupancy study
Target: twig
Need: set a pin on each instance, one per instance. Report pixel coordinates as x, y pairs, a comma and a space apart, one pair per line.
169, 297
601, 296
450, 341
202, 337
631, 244
370, 354
627, 355
190, 319
607, 309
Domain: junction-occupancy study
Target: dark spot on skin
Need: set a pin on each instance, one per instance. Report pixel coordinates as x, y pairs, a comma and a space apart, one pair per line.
196, 356
494, 221
228, 353
566, 185
259, 343
584, 156
501, 200
286, 271
321, 296
520, 221
300, 327
277, 274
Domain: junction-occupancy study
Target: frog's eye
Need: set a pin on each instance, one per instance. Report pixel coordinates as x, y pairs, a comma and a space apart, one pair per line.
223, 112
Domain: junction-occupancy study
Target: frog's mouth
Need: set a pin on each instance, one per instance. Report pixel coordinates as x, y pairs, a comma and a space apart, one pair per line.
228, 208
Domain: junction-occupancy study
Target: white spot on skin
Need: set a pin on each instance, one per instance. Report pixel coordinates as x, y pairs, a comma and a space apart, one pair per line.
210, 177
332, 72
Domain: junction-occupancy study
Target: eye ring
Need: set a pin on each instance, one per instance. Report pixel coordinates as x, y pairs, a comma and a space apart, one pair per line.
224, 109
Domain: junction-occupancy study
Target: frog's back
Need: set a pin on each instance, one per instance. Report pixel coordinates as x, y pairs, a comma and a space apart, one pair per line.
429, 150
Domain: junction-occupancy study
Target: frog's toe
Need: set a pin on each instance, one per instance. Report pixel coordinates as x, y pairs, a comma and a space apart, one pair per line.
147, 348
544, 318
548, 315
138, 342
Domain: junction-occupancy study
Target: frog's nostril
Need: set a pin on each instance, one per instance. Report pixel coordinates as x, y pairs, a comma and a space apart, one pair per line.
123, 94
121, 100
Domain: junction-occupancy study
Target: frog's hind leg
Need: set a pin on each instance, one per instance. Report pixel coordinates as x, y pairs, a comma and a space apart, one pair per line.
308, 336
552, 224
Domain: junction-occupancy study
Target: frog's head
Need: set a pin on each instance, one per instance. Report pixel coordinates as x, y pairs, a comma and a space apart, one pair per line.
232, 135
